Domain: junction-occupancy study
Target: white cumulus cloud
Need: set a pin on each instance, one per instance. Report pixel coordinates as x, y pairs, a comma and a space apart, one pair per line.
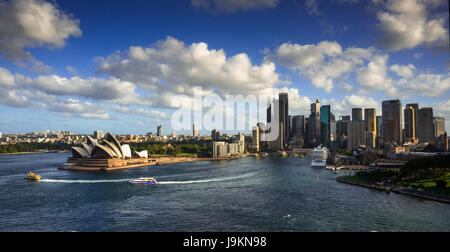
32, 23
405, 24
172, 66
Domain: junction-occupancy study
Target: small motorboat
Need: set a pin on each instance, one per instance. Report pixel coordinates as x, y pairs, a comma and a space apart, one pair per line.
144, 181
32, 177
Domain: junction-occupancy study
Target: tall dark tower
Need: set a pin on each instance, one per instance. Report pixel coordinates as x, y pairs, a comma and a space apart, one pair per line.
392, 121
284, 113
357, 114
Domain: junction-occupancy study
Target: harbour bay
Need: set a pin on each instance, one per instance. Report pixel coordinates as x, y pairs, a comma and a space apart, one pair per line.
249, 194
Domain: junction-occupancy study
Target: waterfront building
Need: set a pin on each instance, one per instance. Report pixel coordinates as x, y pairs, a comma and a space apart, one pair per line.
255, 139
159, 131
357, 114
263, 143
392, 121
277, 144
222, 149
439, 126
370, 119
278, 110
195, 130
108, 148
1, 134
240, 141
410, 123
425, 130
219, 149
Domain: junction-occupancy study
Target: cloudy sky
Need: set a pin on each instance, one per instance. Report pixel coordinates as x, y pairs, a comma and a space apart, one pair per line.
116, 65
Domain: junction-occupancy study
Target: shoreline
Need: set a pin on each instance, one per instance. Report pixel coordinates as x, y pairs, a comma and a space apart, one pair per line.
398, 190
33, 152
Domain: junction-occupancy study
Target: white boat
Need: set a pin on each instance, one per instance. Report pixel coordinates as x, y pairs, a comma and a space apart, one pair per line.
319, 157
144, 181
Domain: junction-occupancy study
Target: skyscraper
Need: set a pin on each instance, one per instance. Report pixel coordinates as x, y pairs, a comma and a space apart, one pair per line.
357, 114
194, 130
410, 123
313, 130
283, 115
342, 131
255, 138
415, 106
298, 126
439, 126
356, 134
370, 119
159, 131
392, 121
425, 127
325, 124
278, 113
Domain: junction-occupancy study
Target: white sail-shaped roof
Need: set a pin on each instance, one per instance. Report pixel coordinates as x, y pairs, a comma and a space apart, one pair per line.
78, 152
126, 151
91, 141
142, 154
87, 148
114, 148
110, 138
103, 151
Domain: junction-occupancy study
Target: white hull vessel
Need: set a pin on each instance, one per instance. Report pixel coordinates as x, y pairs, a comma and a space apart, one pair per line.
318, 163
319, 157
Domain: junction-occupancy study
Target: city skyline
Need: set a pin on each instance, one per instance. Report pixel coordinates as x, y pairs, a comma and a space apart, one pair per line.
89, 73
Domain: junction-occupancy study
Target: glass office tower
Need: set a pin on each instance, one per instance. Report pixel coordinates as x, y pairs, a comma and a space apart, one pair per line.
325, 118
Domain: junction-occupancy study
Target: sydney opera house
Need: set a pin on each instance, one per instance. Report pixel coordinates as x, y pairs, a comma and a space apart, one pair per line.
105, 154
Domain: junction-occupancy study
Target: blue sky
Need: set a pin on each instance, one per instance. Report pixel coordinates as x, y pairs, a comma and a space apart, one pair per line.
114, 65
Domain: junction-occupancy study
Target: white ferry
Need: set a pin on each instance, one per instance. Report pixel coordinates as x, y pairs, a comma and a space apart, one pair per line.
319, 157
144, 181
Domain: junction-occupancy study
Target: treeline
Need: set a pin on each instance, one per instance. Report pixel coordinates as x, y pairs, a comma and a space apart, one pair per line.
31, 147
423, 167
433, 167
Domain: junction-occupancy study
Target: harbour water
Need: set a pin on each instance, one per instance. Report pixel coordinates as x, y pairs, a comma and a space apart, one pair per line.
250, 194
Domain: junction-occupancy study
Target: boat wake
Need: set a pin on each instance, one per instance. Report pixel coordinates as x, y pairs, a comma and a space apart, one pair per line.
205, 180
160, 182
82, 181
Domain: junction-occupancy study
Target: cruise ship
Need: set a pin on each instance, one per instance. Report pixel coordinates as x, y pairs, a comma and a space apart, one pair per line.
319, 157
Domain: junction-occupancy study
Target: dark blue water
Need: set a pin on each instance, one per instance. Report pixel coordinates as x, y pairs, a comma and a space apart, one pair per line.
251, 194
